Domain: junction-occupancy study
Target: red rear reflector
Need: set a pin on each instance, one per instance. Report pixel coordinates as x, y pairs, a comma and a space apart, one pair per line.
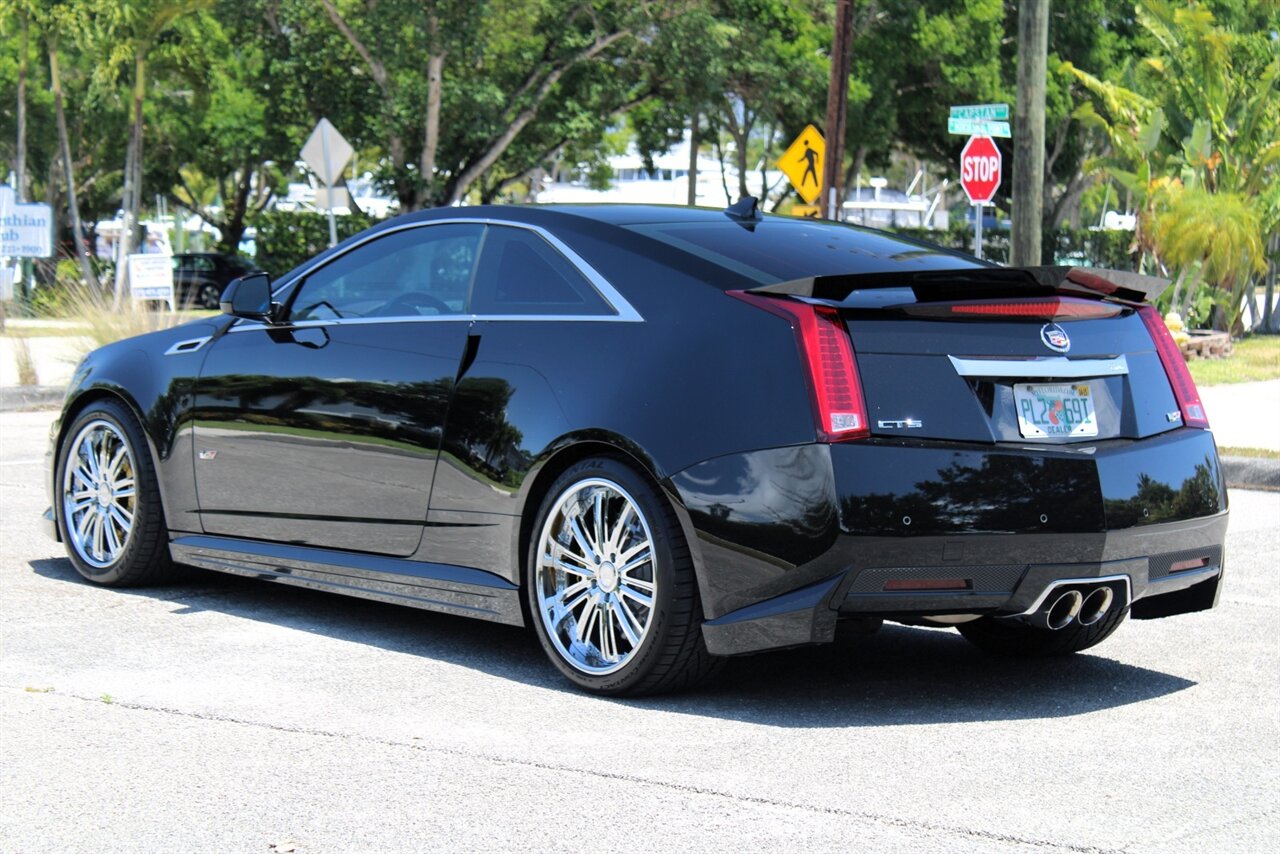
927, 584
1040, 308
1175, 367
824, 343
1195, 563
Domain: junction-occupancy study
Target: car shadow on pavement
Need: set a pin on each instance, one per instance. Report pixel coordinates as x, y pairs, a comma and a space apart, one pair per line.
897, 676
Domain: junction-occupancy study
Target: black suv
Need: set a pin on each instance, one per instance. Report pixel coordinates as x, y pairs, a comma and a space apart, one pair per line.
199, 277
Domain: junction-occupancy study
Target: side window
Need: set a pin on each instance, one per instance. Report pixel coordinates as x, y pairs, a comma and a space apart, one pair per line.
415, 272
203, 264
520, 273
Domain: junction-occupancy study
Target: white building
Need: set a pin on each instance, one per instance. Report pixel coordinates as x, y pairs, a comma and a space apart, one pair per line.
667, 185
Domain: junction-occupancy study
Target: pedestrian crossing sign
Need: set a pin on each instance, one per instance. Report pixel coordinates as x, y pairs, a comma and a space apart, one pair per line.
802, 163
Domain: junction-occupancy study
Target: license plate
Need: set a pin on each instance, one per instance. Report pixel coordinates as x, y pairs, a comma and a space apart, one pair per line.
1064, 410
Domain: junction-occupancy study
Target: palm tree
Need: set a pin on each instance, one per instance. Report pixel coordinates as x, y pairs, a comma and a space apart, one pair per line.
128, 31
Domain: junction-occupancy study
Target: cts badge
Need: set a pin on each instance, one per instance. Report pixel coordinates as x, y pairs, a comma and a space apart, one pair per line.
1055, 338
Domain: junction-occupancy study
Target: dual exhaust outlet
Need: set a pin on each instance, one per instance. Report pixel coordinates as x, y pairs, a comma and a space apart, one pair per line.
1070, 606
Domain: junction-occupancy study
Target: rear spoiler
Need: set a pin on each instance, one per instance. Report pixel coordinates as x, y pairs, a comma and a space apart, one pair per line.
976, 282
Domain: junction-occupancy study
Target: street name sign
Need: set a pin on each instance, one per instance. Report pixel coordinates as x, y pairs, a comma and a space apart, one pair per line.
978, 127
802, 163
980, 168
984, 112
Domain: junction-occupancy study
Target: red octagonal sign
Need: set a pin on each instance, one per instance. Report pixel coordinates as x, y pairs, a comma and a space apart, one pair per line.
980, 164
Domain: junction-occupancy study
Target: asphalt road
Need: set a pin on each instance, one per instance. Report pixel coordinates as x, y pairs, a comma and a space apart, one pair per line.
226, 714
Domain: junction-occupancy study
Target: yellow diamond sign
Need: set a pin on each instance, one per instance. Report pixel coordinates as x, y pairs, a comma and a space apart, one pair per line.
802, 163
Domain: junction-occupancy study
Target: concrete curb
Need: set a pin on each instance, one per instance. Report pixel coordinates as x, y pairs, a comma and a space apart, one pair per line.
1252, 473
28, 397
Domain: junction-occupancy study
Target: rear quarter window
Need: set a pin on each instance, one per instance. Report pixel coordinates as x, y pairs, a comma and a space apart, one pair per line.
522, 274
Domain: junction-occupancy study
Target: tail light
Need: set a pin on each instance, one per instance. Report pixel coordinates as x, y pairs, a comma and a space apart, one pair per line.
1175, 367
1040, 308
827, 353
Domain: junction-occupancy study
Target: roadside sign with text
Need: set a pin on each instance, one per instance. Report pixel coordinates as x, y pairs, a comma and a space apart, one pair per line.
328, 198
980, 168
807, 211
26, 231
151, 277
802, 163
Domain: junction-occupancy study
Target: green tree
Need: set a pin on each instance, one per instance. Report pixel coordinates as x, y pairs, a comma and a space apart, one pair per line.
1194, 129
459, 83
911, 59
241, 120
124, 35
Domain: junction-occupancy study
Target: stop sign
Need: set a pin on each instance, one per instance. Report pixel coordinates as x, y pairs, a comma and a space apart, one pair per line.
980, 163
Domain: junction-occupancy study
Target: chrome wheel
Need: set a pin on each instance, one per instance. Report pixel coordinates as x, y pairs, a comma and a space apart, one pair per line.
99, 493
596, 580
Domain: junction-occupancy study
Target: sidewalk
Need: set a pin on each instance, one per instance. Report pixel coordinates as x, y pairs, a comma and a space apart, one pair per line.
1242, 415
54, 356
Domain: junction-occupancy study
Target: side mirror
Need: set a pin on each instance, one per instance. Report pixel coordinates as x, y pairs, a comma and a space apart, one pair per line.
248, 296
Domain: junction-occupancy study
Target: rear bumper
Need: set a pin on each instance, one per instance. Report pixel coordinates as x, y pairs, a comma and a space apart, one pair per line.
790, 540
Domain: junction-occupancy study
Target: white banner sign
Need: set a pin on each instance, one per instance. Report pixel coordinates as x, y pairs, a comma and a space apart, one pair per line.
26, 231
151, 277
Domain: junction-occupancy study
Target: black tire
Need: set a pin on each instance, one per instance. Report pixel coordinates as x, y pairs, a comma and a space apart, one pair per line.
209, 296
1019, 640
671, 654
143, 557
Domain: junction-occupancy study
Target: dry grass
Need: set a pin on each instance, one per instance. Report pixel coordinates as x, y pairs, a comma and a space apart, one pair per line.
99, 322
1264, 453
26, 365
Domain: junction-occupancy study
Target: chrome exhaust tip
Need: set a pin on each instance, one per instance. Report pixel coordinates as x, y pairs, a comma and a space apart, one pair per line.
1096, 605
1063, 610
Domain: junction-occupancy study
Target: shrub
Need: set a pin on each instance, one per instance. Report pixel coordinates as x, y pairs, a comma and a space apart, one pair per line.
1066, 246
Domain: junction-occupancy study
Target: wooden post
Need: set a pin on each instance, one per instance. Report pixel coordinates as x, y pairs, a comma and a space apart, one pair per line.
832, 198
1028, 133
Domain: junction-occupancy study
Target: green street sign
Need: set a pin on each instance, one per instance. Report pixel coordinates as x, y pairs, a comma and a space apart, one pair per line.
989, 112
978, 127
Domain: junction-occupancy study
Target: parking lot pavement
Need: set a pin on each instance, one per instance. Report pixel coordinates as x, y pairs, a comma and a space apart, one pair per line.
228, 714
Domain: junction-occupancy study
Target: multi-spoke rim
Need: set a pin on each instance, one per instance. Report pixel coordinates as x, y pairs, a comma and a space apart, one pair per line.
596, 579
99, 493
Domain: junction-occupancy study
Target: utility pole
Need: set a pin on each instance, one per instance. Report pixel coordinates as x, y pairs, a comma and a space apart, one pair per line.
1028, 133
832, 197
693, 158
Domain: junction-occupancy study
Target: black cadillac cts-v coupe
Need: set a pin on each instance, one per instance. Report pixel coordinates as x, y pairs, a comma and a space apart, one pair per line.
661, 436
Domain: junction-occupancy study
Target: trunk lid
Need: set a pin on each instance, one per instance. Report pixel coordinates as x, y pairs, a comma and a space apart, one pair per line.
1027, 355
